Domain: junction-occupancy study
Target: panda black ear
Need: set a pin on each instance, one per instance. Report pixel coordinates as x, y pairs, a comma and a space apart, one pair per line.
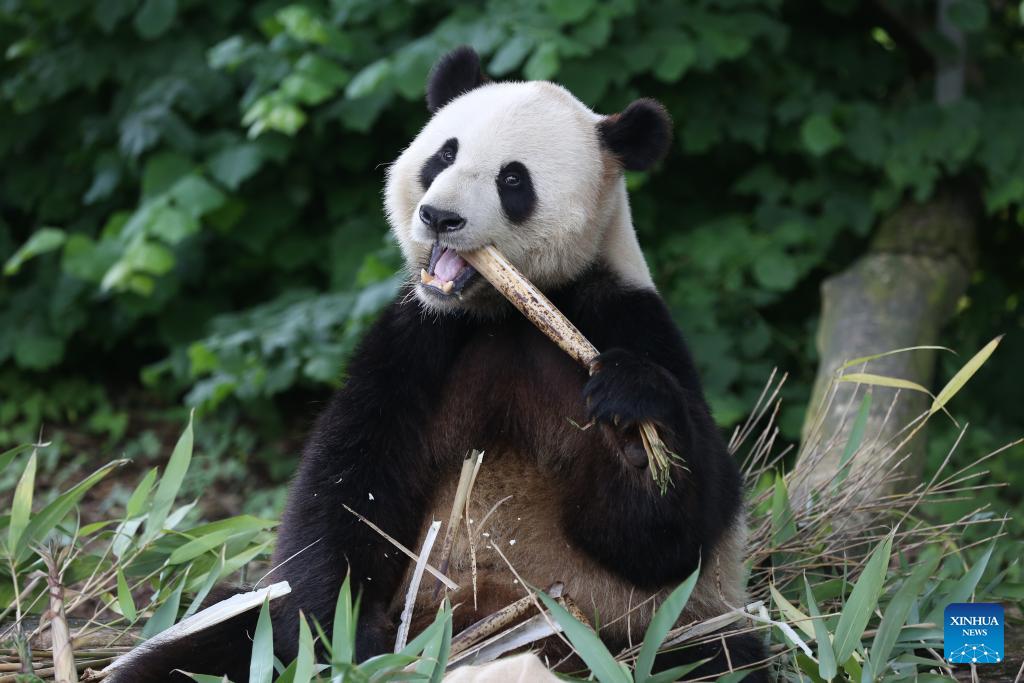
455, 73
639, 136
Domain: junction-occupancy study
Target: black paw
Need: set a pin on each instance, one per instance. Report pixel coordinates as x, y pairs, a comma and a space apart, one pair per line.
625, 390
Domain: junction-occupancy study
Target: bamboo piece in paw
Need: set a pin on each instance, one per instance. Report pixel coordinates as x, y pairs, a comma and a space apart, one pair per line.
539, 310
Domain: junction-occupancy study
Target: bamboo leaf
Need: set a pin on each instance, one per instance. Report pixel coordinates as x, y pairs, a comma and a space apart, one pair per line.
798, 618
46, 519
137, 502
862, 601
826, 658
963, 375
783, 526
962, 589
343, 637
860, 423
883, 381
590, 648
124, 598
261, 664
868, 359
211, 578
8, 456
170, 482
306, 659
21, 506
676, 673
662, 622
166, 614
895, 617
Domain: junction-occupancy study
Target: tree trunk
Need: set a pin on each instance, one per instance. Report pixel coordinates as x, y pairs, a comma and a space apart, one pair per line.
897, 295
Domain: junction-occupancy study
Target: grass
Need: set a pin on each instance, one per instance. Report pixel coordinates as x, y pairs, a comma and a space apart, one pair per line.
843, 585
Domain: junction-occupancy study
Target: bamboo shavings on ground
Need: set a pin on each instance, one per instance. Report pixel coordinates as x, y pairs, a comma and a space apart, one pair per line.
522, 293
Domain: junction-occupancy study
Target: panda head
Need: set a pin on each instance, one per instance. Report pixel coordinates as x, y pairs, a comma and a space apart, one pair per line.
524, 166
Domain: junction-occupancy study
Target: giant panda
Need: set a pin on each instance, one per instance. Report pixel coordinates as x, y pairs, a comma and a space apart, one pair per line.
450, 366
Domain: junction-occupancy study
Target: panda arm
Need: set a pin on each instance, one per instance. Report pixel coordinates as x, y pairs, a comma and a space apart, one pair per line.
646, 373
367, 451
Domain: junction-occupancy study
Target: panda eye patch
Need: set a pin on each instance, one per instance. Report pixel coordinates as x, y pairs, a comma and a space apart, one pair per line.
515, 189
439, 161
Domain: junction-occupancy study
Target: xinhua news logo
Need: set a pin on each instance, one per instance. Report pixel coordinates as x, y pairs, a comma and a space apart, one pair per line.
973, 633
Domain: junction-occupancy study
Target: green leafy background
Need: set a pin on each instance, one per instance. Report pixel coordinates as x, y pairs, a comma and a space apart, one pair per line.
190, 194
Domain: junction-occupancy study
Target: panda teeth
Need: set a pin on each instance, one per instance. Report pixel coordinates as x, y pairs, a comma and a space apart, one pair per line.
425, 276
447, 287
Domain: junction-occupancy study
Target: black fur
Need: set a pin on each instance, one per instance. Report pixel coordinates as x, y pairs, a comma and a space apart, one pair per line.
515, 189
438, 161
455, 73
639, 136
744, 650
386, 433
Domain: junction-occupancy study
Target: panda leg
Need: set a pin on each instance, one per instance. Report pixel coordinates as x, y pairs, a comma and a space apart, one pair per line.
366, 456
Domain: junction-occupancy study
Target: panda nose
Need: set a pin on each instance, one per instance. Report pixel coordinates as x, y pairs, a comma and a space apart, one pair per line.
440, 220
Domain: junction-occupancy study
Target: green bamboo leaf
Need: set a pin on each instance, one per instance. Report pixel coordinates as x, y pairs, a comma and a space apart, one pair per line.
826, 658
868, 359
783, 526
306, 659
343, 637
211, 578
170, 482
963, 375
883, 381
895, 617
676, 673
198, 546
662, 622
165, 615
205, 678
853, 443
124, 597
21, 506
435, 655
7, 456
137, 502
964, 588
46, 519
862, 601
590, 648
261, 664
853, 669
795, 616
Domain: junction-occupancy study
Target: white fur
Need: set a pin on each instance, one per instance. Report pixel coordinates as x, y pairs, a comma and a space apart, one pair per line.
582, 214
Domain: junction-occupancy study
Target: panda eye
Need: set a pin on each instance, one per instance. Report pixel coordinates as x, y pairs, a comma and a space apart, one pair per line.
511, 179
447, 155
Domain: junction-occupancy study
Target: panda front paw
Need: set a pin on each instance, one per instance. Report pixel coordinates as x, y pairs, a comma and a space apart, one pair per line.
625, 390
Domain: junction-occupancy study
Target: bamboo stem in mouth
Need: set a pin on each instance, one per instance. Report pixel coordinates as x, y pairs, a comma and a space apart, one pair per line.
539, 310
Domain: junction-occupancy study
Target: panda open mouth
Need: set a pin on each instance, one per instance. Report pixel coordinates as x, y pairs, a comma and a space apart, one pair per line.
446, 273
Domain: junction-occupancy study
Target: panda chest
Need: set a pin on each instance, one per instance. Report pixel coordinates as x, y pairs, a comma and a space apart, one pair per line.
521, 404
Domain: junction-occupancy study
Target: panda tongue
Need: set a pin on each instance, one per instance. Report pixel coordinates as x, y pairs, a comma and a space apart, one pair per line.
448, 266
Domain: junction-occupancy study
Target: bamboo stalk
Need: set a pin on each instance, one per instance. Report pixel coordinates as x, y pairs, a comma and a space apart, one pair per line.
539, 310
63, 656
